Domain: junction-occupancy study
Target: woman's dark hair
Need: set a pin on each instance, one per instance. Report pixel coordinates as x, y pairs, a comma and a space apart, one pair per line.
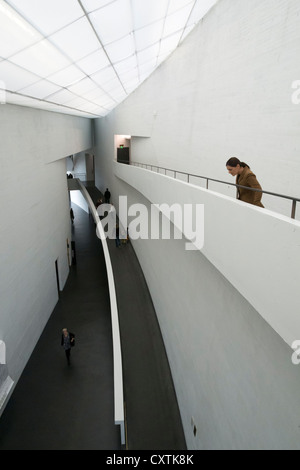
233, 161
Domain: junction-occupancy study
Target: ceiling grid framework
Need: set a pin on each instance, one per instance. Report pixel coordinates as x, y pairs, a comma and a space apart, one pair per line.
84, 57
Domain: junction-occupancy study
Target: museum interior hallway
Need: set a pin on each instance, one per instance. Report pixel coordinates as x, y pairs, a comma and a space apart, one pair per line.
59, 407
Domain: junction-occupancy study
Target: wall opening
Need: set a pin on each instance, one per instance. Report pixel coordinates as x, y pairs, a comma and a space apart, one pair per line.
57, 276
90, 167
122, 148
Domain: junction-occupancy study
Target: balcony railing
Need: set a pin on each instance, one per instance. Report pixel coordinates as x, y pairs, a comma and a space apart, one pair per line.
158, 169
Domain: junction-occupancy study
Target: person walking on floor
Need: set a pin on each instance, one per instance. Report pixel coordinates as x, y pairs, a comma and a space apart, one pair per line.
107, 196
67, 341
72, 215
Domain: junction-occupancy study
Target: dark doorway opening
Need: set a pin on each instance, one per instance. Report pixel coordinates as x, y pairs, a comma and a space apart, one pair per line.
57, 276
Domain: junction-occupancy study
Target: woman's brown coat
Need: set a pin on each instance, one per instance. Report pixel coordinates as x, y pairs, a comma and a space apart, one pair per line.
247, 178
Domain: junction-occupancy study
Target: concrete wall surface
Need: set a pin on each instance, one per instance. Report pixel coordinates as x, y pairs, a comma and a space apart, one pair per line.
35, 221
233, 373
264, 246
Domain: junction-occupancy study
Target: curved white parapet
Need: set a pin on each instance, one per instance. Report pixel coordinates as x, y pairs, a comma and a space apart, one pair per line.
6, 381
117, 354
257, 250
2, 352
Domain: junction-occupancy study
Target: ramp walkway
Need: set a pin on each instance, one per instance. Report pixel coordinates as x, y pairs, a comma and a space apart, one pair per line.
59, 407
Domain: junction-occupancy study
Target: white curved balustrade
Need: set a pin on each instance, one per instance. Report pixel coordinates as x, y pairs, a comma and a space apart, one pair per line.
117, 354
257, 250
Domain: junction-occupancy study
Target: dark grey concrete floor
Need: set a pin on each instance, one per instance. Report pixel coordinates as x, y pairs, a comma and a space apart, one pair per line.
59, 407
153, 419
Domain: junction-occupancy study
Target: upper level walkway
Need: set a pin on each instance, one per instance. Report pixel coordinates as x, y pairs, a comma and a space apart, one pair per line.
59, 407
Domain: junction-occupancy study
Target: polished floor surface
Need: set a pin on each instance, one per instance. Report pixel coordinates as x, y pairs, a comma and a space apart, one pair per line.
60, 407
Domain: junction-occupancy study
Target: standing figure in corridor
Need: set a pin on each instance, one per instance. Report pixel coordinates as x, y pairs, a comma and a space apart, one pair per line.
107, 196
245, 177
67, 341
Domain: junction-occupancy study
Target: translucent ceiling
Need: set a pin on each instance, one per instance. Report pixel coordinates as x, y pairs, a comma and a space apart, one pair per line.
84, 57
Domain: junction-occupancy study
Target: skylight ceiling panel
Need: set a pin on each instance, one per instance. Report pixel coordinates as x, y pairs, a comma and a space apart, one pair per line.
91, 5
78, 103
76, 40
102, 100
148, 35
127, 65
113, 22
61, 97
168, 44
199, 11
131, 85
14, 77
108, 103
94, 95
176, 5
120, 50
186, 31
67, 76
38, 104
89, 107
42, 59
129, 76
94, 62
110, 108
15, 33
49, 16
163, 56
111, 85
147, 68
104, 76
118, 94
40, 90
151, 53
83, 86
145, 13
176, 21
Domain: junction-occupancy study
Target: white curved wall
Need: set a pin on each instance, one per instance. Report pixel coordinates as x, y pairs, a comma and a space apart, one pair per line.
257, 250
233, 373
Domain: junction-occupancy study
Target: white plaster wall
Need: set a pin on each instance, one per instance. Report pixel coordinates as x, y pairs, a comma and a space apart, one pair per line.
78, 166
225, 92
35, 221
264, 247
232, 372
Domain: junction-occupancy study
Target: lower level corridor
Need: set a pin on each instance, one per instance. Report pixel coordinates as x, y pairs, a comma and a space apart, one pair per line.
60, 407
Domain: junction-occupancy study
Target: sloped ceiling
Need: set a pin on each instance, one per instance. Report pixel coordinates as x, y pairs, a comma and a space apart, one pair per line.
84, 57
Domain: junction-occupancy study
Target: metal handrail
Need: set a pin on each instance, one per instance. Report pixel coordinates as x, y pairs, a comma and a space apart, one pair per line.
283, 196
